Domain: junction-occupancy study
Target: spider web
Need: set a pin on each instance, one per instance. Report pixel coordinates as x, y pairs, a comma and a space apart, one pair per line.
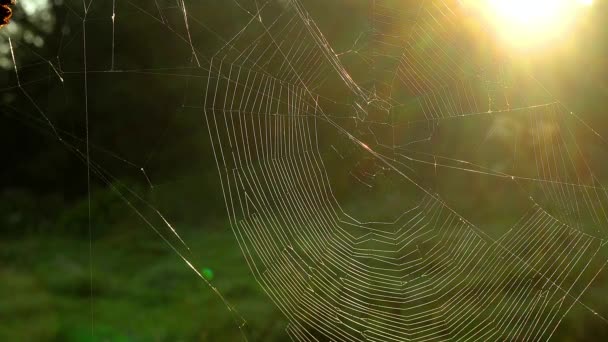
308, 130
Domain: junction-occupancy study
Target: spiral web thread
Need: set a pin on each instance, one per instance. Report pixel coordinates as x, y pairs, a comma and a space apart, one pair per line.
430, 274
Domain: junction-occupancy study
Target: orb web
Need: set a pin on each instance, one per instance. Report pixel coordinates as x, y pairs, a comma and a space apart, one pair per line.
275, 91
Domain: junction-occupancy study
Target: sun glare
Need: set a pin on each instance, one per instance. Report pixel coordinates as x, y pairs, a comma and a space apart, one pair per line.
526, 23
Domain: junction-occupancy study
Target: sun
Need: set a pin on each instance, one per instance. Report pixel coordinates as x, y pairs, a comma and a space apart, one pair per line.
527, 23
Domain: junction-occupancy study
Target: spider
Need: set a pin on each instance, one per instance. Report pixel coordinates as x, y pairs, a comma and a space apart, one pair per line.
6, 12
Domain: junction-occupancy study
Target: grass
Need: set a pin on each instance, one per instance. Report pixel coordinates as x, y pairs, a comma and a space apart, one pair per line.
141, 290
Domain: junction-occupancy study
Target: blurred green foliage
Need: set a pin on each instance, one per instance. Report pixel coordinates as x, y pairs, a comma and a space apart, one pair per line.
140, 292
